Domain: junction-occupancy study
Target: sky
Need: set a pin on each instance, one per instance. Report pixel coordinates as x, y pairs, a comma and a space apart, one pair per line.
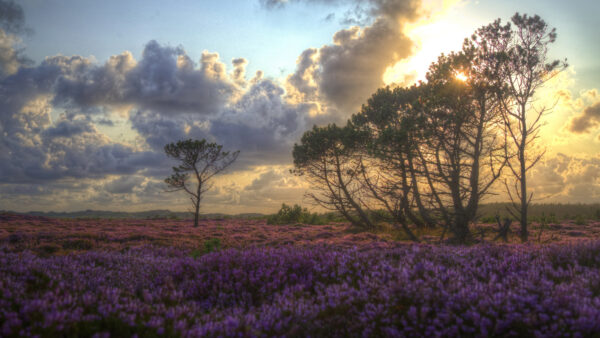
91, 91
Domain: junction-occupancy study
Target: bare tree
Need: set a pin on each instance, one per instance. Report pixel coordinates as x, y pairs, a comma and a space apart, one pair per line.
200, 159
524, 69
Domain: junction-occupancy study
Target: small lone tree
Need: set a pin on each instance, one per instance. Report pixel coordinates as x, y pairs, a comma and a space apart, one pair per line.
202, 160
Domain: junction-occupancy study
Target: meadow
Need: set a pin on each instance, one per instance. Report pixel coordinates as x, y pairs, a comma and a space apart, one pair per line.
244, 277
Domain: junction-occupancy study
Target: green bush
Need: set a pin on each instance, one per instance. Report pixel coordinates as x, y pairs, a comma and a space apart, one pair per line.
209, 245
294, 214
212, 245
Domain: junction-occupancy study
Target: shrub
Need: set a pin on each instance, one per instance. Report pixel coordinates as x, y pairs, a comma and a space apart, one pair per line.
294, 214
77, 244
209, 245
46, 250
212, 245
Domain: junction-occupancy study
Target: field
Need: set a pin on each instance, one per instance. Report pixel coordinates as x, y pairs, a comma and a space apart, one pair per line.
234, 277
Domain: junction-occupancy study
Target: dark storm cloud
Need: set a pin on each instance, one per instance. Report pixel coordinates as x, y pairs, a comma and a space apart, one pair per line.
586, 121
344, 74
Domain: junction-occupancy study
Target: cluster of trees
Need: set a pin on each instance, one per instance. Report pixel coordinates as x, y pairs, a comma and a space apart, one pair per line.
429, 153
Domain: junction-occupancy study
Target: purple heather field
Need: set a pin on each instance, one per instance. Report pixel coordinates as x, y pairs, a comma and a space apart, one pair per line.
74, 282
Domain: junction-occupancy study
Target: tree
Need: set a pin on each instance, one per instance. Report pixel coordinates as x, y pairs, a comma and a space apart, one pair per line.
199, 159
524, 68
327, 157
437, 144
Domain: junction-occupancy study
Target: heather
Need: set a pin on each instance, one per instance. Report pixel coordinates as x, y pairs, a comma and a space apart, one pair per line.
299, 291
52, 236
228, 277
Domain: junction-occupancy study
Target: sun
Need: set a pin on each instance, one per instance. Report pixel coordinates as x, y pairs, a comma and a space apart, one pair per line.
461, 76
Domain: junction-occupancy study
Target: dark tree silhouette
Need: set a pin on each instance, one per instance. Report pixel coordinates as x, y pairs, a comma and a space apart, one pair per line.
327, 158
522, 48
199, 159
429, 153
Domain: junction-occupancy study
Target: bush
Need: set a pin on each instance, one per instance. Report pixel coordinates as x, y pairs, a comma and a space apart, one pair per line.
294, 214
77, 244
46, 250
212, 245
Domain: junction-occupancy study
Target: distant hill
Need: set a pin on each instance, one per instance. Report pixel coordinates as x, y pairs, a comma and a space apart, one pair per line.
150, 214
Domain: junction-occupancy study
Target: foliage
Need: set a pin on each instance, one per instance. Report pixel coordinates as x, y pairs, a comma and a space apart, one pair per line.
294, 214
201, 159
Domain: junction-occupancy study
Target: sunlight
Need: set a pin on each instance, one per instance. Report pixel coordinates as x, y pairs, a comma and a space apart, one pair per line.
461, 76
433, 35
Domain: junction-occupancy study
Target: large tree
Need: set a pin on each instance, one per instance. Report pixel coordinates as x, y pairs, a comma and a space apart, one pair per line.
200, 160
437, 143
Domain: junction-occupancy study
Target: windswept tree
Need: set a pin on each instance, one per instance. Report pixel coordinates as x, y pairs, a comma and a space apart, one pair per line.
327, 158
524, 68
437, 145
200, 161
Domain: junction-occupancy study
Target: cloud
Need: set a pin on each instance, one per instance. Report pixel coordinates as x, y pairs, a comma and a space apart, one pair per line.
588, 120
566, 178
123, 184
165, 80
12, 18
342, 75
261, 124
36, 148
12, 23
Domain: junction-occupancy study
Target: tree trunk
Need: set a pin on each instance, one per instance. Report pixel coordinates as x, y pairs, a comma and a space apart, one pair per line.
524, 203
197, 205
522, 159
197, 213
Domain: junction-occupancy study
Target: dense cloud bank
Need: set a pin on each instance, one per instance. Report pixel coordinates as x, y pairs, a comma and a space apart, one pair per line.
48, 111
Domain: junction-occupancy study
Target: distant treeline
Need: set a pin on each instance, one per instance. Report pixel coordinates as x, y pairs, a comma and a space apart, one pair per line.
558, 211
150, 214
487, 213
